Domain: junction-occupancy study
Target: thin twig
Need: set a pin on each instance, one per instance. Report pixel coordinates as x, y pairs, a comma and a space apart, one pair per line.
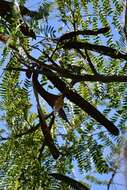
112, 177
41, 150
31, 130
4, 138
90, 63
50, 59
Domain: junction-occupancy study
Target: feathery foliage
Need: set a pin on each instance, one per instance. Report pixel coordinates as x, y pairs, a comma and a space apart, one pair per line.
55, 118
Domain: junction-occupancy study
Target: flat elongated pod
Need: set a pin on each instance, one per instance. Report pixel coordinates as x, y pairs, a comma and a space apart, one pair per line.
48, 140
48, 97
80, 102
73, 183
70, 35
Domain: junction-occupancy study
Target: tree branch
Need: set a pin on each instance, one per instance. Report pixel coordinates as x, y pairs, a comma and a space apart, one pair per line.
31, 130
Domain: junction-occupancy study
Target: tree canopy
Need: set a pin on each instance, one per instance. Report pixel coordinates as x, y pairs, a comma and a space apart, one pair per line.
63, 93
